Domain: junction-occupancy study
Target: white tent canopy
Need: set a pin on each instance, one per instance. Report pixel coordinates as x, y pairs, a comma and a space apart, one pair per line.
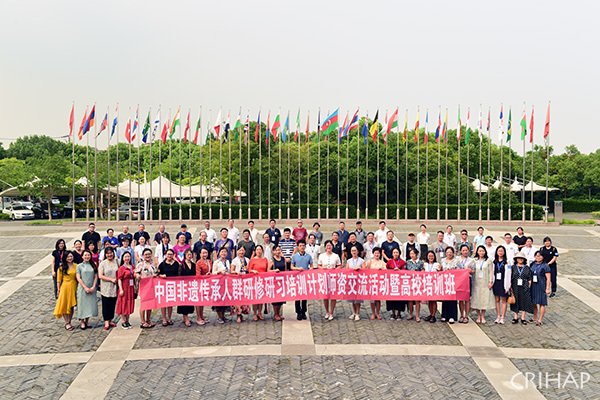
538, 188
479, 187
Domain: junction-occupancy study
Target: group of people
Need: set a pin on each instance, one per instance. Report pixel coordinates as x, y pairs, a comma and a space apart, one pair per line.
513, 272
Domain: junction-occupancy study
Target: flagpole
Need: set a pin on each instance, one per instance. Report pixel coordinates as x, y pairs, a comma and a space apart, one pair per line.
108, 217
118, 199
228, 138
289, 188
87, 176
189, 162
480, 140
247, 141
95, 170
201, 159
501, 170
446, 145
259, 168
299, 174
72, 137
129, 149
385, 143
138, 168
439, 139
179, 172
489, 174
468, 155
279, 166
347, 167
220, 169
240, 157
319, 164
510, 174
427, 166
417, 136
458, 170
523, 189
209, 140
531, 140
357, 167
328, 162
378, 166
268, 149
405, 173
307, 165
366, 168
151, 136
160, 196
338, 171
170, 170
547, 140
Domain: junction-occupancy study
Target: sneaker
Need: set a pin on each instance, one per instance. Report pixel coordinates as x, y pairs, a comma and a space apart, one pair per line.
352, 317
299, 317
393, 317
304, 316
552, 294
221, 321
497, 321
357, 318
330, 317
451, 320
501, 321
124, 325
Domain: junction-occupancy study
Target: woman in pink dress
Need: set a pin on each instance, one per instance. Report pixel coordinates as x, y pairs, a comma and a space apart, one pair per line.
126, 297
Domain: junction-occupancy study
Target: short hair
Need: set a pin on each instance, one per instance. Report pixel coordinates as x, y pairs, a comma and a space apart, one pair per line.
301, 241
390, 231
224, 229
508, 234
481, 227
272, 220
313, 235
464, 231
170, 250
125, 238
250, 221
335, 233
423, 225
381, 222
351, 233
143, 252
538, 252
257, 246
370, 233
109, 229
358, 222
449, 248
414, 251
91, 224
246, 230
327, 242
489, 237
111, 250
449, 226
376, 250
547, 239
464, 245
166, 235
316, 224
287, 230
529, 238
342, 222
438, 232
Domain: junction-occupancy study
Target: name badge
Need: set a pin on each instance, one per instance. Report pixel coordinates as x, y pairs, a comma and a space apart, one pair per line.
272, 238
131, 282
480, 274
499, 275
535, 279
519, 282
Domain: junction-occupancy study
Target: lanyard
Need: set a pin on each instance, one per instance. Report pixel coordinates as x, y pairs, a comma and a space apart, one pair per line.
396, 264
463, 263
481, 265
243, 262
500, 265
429, 267
354, 261
520, 270
537, 266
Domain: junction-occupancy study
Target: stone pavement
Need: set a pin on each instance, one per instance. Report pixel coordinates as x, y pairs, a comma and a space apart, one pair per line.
297, 359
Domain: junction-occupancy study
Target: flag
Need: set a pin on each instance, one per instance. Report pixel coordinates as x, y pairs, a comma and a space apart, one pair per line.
286, 128
489, 121
547, 125
114, 124
439, 127
80, 134
445, 127
365, 129
509, 126
343, 132
353, 122
523, 124
156, 125
307, 125
165, 132
468, 127
405, 126
146, 129
275, 128
458, 131
391, 124
297, 126
480, 123
257, 128
176, 122
531, 127
103, 124
246, 129
217, 127
128, 131
237, 126
319, 126
501, 127
330, 123
71, 120
375, 127
135, 124
197, 128
89, 123
187, 128
417, 127
268, 129
227, 127
426, 122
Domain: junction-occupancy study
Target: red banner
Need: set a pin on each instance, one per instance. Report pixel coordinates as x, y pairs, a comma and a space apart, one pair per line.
271, 287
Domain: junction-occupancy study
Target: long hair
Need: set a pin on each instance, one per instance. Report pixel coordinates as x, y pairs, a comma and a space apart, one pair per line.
92, 263
58, 242
485, 256
63, 262
496, 261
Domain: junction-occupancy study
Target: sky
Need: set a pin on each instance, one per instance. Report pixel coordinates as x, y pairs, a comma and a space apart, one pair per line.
282, 56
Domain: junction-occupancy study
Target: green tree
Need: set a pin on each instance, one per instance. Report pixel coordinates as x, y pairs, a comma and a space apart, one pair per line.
53, 173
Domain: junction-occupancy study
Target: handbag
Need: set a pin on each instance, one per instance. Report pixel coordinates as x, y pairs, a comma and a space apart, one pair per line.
511, 299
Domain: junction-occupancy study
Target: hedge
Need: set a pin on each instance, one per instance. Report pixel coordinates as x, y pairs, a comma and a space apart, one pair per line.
581, 205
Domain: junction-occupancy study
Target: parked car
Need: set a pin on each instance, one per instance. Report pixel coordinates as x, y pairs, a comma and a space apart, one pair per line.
16, 211
185, 200
79, 211
41, 211
27, 204
123, 211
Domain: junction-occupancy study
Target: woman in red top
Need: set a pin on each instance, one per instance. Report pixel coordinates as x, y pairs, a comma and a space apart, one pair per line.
395, 263
203, 267
257, 265
126, 297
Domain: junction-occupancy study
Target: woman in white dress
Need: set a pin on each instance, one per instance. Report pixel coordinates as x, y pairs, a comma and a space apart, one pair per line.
355, 263
329, 260
483, 280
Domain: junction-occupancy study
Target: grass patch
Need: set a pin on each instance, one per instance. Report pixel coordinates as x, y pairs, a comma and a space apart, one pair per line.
53, 222
579, 222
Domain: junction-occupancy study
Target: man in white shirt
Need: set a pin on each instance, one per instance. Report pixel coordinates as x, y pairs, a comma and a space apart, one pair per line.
234, 233
381, 233
479, 239
423, 241
211, 235
511, 248
449, 237
267, 247
254, 234
489, 247
369, 246
313, 248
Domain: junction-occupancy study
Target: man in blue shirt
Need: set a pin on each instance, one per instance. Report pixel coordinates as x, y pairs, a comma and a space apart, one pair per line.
343, 233
188, 236
225, 243
301, 261
274, 233
203, 244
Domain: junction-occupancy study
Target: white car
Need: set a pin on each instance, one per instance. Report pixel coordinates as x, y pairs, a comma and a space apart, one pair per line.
185, 200
18, 212
27, 204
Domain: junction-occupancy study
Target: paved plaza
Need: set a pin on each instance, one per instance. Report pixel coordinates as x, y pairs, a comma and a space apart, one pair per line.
313, 359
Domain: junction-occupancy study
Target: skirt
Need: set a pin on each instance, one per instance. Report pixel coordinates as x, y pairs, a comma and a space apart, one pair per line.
108, 307
498, 288
449, 309
394, 305
185, 310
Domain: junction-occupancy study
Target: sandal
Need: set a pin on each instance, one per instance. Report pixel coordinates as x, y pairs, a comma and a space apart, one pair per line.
188, 324
514, 321
169, 322
465, 320
69, 327
165, 323
378, 316
373, 316
523, 322
538, 323
255, 317
409, 318
261, 317
418, 319
151, 325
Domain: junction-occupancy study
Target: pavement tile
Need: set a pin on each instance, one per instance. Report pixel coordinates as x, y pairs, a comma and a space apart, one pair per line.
37, 381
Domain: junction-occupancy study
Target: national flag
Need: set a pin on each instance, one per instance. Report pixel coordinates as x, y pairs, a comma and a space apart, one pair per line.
156, 125
297, 127
458, 131
547, 125
391, 124
343, 132
114, 124
286, 128
227, 127
405, 127
417, 127
268, 129
165, 130
480, 123
198, 124
426, 122
319, 126
71, 120
445, 127
187, 128
237, 126
531, 127
439, 127
128, 131
275, 128
257, 128
468, 127
103, 124
246, 129
176, 122
330, 123
353, 122
501, 127
135, 124
523, 124
217, 126
365, 129
146, 129
80, 134
89, 123
375, 127
307, 127
489, 122
509, 126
